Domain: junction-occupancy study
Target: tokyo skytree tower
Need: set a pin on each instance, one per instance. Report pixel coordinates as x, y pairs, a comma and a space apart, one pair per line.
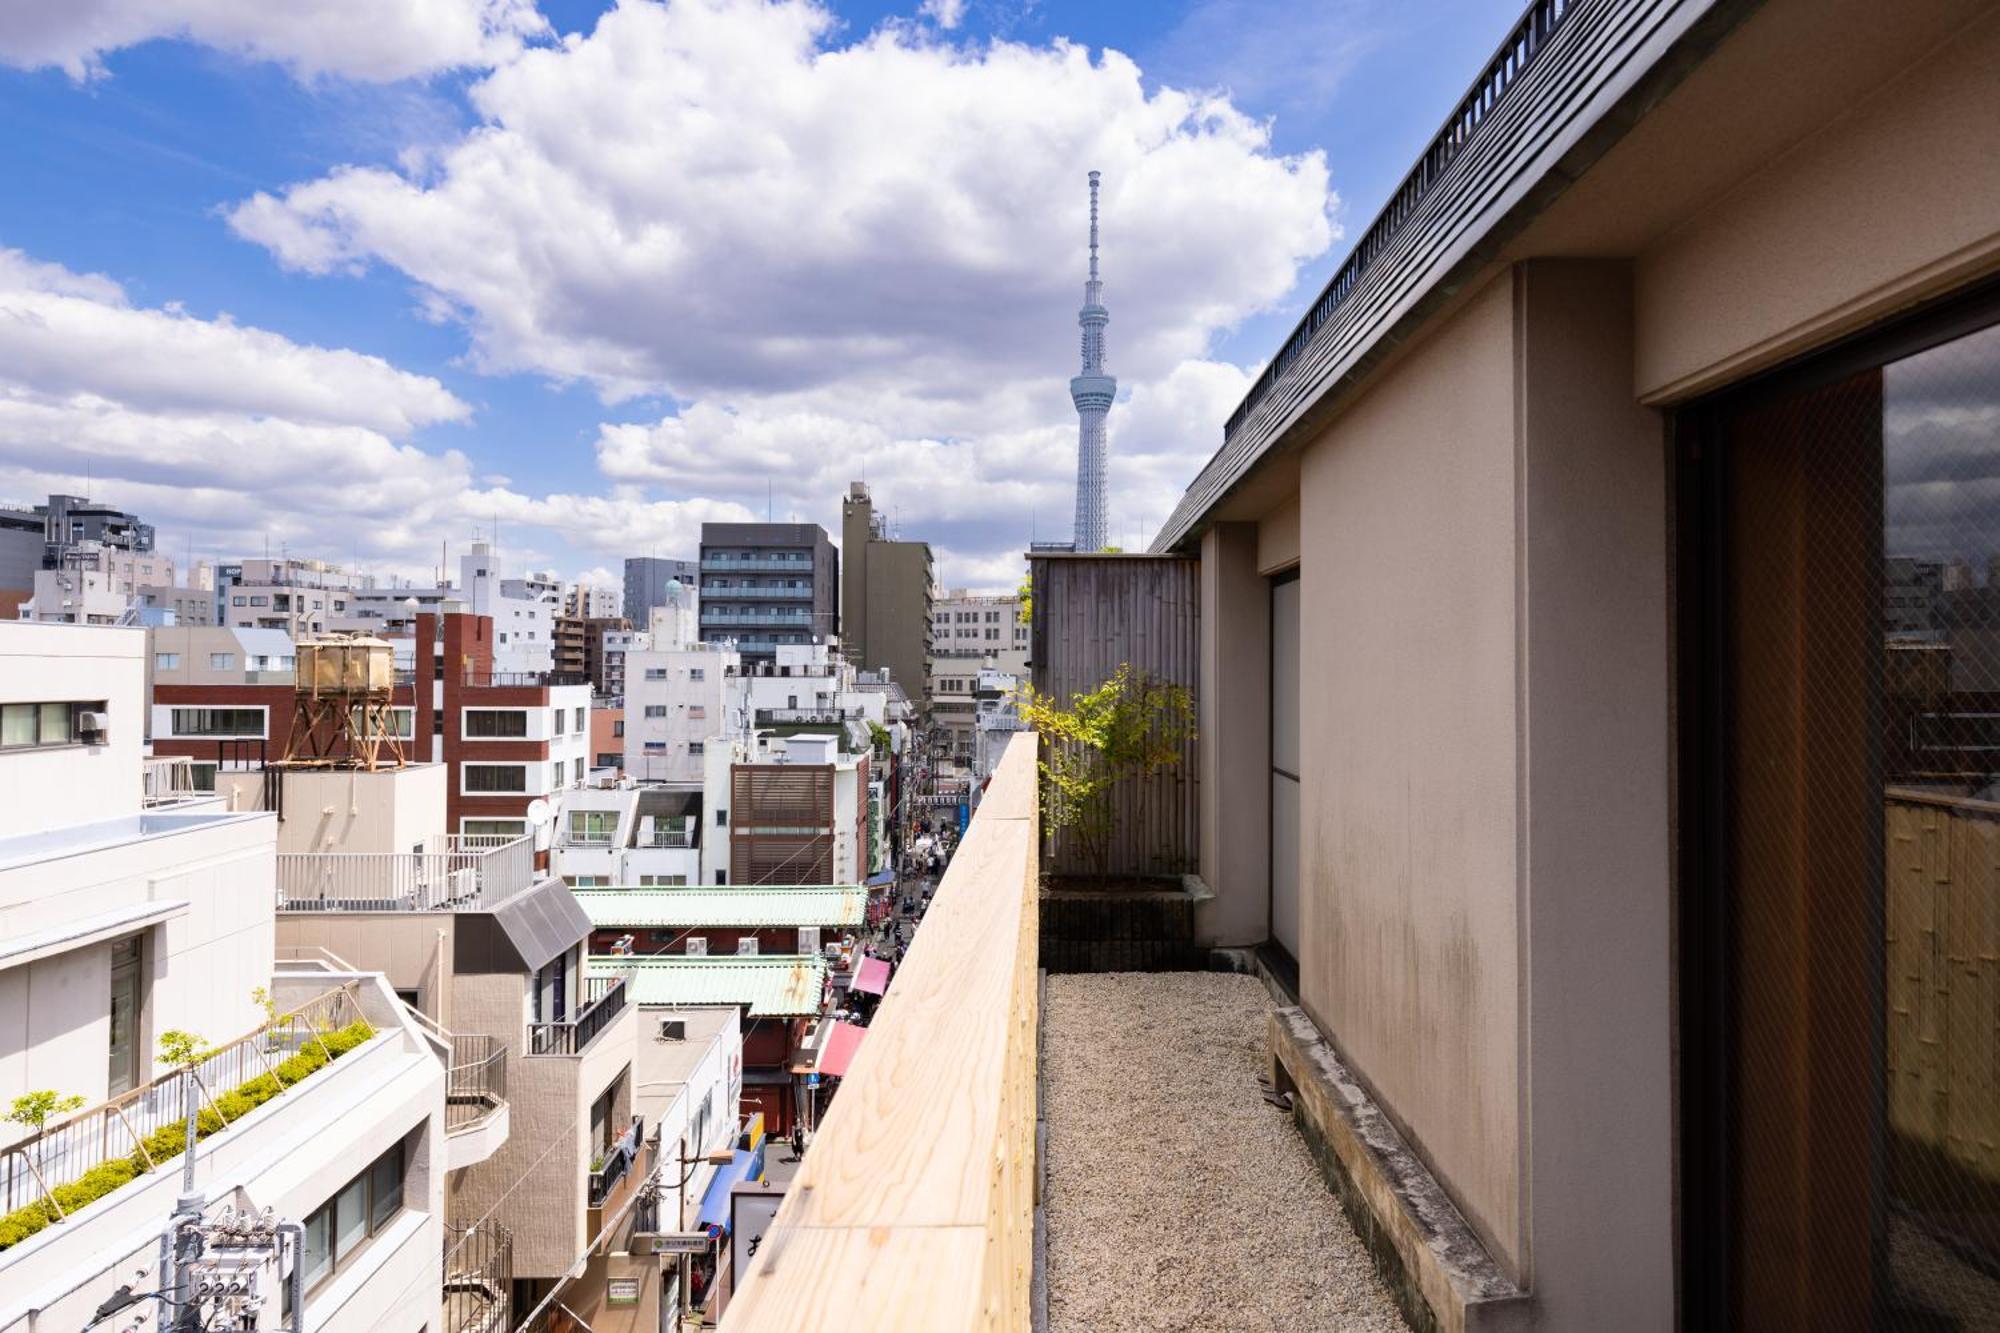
1092, 392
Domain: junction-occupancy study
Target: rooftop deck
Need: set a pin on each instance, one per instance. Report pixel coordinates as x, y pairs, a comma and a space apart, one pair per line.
1177, 1197
1173, 1195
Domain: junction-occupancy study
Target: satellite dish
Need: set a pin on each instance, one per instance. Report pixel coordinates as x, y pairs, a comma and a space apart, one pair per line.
538, 812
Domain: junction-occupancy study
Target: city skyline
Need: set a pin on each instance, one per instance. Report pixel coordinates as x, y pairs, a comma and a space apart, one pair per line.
243, 245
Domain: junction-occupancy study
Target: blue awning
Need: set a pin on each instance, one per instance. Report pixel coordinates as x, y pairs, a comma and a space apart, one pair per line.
876, 881
743, 1165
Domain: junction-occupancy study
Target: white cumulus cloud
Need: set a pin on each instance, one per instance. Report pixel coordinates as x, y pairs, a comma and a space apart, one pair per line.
841, 257
371, 40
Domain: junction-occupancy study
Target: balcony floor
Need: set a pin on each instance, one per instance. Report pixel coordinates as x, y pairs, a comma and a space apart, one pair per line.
1177, 1197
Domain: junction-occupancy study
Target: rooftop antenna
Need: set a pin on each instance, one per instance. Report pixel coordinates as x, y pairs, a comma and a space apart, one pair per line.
767, 499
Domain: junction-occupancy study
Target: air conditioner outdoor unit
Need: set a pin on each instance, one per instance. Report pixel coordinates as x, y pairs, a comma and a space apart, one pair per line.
93, 725
673, 1029
747, 945
697, 946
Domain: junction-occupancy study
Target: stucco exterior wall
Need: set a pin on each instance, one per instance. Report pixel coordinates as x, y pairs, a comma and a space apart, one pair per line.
1233, 728
1876, 210
1409, 943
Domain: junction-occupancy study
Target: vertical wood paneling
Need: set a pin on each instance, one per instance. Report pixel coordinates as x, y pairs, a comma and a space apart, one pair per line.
1092, 614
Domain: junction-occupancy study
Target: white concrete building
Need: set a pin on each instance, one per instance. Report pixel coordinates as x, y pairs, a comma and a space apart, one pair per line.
986, 625
297, 596
120, 923
625, 834
74, 597
676, 701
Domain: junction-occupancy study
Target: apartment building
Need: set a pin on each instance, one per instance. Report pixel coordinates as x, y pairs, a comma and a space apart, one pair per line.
591, 601
676, 701
123, 920
1553, 734
886, 589
788, 810
490, 951
580, 643
627, 834
510, 738
986, 625
523, 610
225, 698
646, 580
663, 1179
294, 596
766, 584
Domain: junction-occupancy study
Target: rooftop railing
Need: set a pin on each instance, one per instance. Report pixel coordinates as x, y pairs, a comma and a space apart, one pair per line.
524, 679
1523, 44
461, 879
573, 1036
119, 1129
940, 1097
778, 717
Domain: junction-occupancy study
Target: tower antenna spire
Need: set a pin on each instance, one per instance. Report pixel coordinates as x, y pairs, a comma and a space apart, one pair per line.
1092, 391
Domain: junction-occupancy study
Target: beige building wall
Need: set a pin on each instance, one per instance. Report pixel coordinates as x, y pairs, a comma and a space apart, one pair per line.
1408, 782
1882, 207
349, 810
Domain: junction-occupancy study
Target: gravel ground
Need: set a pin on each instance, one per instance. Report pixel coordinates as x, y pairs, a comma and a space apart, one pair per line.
1177, 1197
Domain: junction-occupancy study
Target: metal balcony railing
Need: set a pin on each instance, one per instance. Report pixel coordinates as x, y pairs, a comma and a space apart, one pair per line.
573, 1036
467, 879
525, 679
778, 717
604, 1176
668, 837
725, 617
759, 564
68, 1149
476, 1085
711, 593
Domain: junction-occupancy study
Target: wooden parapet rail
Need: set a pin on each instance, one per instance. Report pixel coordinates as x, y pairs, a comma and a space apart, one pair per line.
915, 1204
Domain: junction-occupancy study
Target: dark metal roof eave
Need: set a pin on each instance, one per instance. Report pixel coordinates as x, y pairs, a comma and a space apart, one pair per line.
1537, 176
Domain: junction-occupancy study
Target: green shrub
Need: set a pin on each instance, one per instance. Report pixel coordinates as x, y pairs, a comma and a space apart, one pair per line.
170, 1141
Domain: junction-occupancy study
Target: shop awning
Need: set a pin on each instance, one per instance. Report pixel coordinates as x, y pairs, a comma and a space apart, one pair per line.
872, 977
881, 879
837, 1051
743, 1165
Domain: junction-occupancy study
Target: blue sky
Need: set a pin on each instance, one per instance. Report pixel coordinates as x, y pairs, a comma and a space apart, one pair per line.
546, 386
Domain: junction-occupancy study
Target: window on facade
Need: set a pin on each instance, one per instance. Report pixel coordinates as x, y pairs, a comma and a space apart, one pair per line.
655, 747
402, 722
363, 1207
697, 748
588, 881
244, 722
503, 828
260, 600
239, 601
656, 673
576, 769
579, 722
618, 727
656, 710
166, 661
496, 777
495, 723
662, 881
222, 661
697, 673
697, 711
31, 725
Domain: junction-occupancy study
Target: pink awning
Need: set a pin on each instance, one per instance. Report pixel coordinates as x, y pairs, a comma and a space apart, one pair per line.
837, 1051
871, 977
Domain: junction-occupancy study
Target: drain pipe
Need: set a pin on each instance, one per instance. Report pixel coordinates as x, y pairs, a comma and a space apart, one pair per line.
296, 1283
